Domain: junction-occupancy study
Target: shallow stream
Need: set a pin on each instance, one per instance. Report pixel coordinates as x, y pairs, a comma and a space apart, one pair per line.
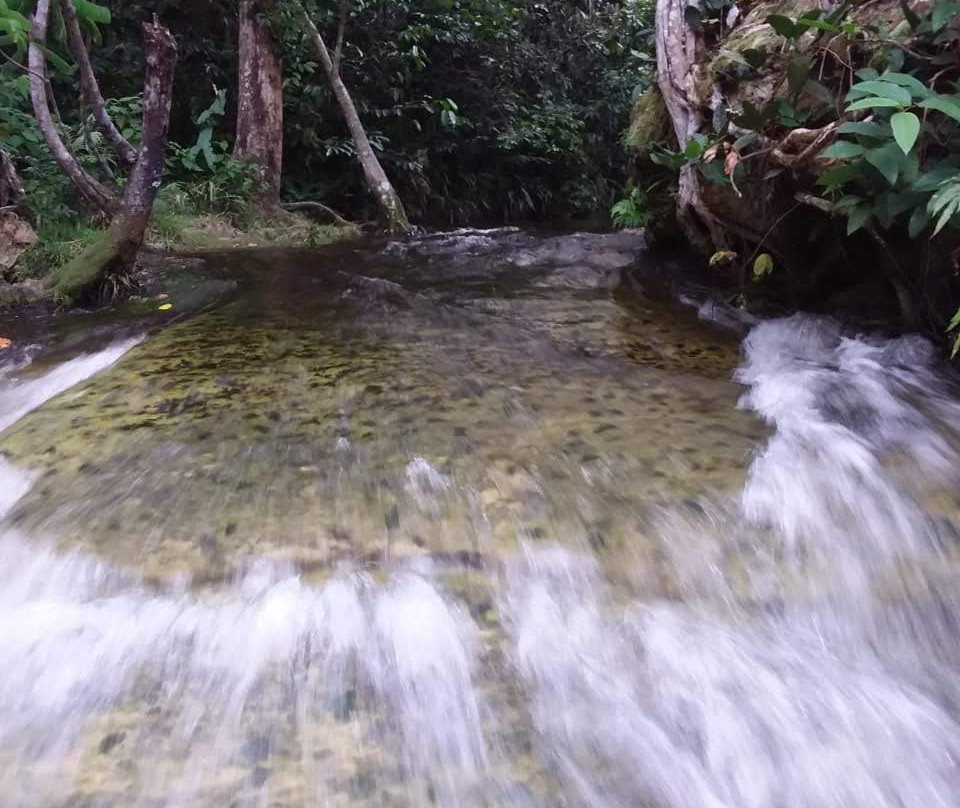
461, 521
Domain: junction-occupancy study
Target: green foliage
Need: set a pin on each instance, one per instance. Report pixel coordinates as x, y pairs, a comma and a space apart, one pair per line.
497, 110
208, 178
636, 210
15, 30
897, 154
227, 188
56, 244
212, 152
167, 222
896, 168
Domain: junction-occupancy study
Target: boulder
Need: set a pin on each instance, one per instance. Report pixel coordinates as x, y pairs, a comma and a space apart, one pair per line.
15, 236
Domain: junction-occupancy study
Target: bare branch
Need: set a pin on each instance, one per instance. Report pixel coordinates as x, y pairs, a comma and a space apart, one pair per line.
96, 193
22, 66
90, 88
309, 205
341, 33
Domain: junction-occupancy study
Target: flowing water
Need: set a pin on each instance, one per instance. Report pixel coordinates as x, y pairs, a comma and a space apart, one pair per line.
428, 523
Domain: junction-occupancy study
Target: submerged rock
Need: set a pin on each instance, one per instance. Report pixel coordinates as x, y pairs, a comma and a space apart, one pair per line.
575, 261
16, 236
31, 290
585, 260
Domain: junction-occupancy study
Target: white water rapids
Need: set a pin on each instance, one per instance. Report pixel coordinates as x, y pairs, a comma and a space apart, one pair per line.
810, 659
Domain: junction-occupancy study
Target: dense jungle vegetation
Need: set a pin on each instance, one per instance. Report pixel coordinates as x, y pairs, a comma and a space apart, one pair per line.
806, 150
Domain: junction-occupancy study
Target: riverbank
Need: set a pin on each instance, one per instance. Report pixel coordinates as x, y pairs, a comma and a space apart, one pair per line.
29, 265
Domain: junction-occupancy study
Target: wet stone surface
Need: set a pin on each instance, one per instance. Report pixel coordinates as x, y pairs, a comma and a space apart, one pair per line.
348, 408
410, 525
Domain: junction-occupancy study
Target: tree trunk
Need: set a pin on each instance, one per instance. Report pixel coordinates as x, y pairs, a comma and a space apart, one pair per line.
93, 191
117, 250
679, 55
260, 106
11, 188
394, 214
90, 88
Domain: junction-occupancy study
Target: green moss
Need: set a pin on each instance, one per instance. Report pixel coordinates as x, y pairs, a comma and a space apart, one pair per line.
649, 123
217, 233
84, 270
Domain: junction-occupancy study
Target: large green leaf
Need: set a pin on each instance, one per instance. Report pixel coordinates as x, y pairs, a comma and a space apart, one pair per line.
204, 145
942, 13
906, 129
883, 89
821, 25
948, 106
858, 218
695, 148
919, 220
870, 129
916, 87
58, 61
843, 150
886, 160
932, 180
91, 12
784, 26
873, 103
837, 177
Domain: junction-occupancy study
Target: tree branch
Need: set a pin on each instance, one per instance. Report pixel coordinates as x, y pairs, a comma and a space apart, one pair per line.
341, 33
22, 66
90, 88
96, 193
292, 206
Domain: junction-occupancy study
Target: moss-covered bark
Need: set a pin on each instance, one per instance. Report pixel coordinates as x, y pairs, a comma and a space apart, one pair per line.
117, 250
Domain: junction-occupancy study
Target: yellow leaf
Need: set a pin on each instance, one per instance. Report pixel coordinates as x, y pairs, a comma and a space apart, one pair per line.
5, 343
165, 307
762, 266
722, 257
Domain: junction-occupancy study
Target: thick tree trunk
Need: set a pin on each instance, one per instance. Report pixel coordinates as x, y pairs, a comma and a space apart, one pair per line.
394, 214
117, 250
93, 191
260, 106
679, 55
90, 87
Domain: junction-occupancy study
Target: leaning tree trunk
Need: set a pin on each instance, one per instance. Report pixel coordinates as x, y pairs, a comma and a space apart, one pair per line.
90, 87
92, 190
117, 250
394, 214
680, 52
260, 106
